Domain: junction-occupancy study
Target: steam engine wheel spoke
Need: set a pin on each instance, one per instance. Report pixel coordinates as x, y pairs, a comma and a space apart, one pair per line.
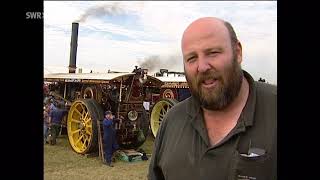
75, 120
77, 111
75, 131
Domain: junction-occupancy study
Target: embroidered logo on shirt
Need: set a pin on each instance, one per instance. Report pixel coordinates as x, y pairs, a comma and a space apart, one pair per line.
241, 177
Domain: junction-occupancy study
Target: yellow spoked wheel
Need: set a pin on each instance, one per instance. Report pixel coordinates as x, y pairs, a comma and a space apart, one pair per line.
82, 128
159, 110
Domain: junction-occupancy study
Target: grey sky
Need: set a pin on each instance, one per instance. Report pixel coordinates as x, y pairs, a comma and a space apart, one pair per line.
137, 31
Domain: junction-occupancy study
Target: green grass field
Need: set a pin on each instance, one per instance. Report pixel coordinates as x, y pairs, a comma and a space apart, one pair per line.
61, 162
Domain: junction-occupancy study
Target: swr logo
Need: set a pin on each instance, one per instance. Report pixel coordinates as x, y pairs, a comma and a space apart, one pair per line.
34, 15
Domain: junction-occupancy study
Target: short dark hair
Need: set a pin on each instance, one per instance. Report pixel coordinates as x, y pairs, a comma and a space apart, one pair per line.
233, 35
107, 112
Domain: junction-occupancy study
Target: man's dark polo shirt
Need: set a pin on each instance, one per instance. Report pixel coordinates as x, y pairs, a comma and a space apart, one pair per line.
182, 149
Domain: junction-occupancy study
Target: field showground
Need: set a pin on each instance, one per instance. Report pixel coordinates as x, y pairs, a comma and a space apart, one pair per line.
61, 162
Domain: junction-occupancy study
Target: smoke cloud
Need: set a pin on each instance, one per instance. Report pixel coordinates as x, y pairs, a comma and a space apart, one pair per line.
102, 10
155, 62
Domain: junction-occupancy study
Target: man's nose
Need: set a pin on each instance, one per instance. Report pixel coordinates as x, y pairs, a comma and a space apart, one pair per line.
203, 65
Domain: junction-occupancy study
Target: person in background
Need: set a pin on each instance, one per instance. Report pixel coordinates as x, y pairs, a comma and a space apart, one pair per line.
227, 129
52, 104
49, 105
55, 117
109, 138
45, 122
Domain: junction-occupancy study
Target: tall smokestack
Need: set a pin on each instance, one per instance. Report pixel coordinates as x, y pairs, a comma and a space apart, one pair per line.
73, 47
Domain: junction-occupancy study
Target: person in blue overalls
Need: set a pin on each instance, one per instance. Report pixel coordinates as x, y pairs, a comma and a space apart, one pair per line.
55, 117
109, 138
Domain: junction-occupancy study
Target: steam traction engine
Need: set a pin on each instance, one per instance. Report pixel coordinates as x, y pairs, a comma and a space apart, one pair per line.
90, 94
130, 96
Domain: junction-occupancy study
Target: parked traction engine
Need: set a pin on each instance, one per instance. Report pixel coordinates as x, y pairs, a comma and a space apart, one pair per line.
128, 95
91, 94
88, 95
173, 90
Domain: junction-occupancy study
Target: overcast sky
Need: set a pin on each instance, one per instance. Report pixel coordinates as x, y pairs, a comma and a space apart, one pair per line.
120, 35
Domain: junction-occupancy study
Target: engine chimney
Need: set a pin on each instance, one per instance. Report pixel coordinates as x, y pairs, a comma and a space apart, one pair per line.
73, 47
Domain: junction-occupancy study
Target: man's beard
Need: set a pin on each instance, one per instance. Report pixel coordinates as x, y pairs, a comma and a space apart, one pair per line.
225, 91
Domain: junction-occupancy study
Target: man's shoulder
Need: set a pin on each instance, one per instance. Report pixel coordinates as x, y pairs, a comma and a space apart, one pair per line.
181, 106
179, 111
266, 89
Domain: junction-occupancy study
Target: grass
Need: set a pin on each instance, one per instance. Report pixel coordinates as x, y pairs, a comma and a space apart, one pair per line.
61, 162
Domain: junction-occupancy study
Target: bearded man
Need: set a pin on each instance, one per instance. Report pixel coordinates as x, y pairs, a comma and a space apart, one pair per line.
227, 129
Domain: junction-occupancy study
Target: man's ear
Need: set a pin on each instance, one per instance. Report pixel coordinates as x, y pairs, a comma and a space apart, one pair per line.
239, 52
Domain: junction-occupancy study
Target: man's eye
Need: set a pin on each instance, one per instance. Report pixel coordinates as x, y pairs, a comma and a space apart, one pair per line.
213, 53
190, 58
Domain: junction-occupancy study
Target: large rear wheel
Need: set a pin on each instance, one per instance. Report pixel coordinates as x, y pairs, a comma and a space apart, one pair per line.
82, 122
159, 111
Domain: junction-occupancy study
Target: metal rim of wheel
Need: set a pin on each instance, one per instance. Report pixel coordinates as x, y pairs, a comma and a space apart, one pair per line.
159, 111
91, 92
88, 93
82, 126
168, 93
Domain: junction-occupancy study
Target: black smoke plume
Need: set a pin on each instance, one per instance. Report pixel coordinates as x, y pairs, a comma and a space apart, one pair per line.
102, 10
155, 62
